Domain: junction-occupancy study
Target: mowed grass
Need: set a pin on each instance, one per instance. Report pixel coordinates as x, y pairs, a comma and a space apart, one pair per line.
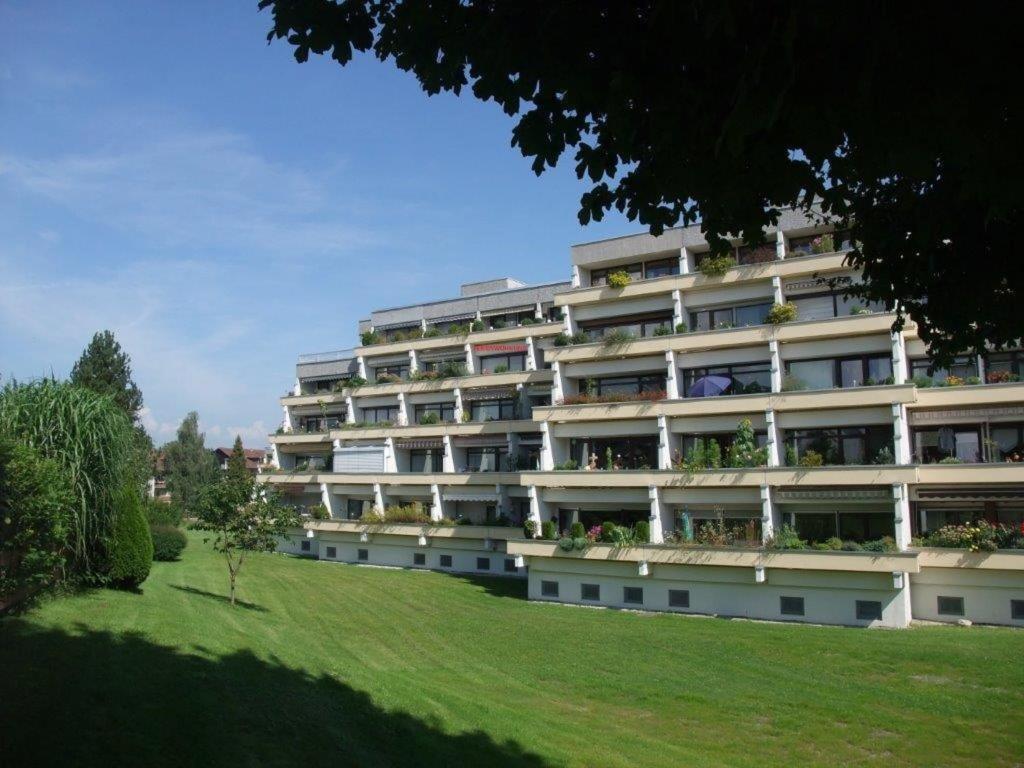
328, 664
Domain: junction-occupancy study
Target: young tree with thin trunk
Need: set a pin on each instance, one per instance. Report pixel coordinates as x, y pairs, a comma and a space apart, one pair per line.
243, 518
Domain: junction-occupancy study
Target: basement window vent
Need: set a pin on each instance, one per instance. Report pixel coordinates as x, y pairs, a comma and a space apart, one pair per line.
510, 565
483, 563
419, 558
791, 606
869, 610
363, 554
1017, 610
950, 606
590, 591
305, 546
633, 595
679, 598
332, 552
549, 589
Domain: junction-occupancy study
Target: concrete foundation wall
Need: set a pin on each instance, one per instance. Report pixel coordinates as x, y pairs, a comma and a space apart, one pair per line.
986, 594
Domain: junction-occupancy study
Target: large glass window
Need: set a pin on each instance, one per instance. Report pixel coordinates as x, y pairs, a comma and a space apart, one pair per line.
381, 414
1004, 366
401, 334
822, 306
639, 326
507, 362
848, 526
661, 268
724, 440
399, 370
625, 385
443, 411
319, 423
963, 367
425, 460
841, 445
638, 271
744, 379
636, 452
492, 410
489, 459
958, 442
1007, 442
729, 317
844, 372
756, 254
810, 244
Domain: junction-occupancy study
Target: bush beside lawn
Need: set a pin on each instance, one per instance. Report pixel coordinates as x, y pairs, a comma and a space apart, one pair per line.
330, 664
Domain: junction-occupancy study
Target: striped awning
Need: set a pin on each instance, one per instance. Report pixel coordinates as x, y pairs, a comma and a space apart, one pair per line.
464, 495
452, 318
379, 362
455, 355
397, 326
431, 443
480, 441
508, 310
489, 393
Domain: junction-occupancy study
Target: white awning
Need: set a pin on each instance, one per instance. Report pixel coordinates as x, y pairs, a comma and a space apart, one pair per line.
471, 496
490, 393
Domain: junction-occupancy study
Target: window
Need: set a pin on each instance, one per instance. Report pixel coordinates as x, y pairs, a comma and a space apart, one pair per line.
381, 414
841, 445
401, 370
679, 598
791, 606
840, 372
724, 440
661, 268
633, 595
627, 385
319, 423
1006, 440
744, 379
490, 459
590, 591
829, 304
354, 508
363, 554
600, 276
426, 460
950, 606
419, 558
305, 546
446, 561
729, 317
400, 334
549, 589
493, 410
511, 362
483, 563
1004, 366
803, 246
443, 411
637, 452
638, 326
869, 610
1017, 610
756, 254
510, 565
960, 441
964, 367
448, 364
332, 552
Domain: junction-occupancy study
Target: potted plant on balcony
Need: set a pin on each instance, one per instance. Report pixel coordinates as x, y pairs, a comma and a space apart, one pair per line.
619, 279
781, 313
717, 265
823, 244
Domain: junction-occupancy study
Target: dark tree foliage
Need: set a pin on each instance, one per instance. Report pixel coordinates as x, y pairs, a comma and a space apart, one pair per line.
236, 462
190, 466
105, 368
131, 547
897, 119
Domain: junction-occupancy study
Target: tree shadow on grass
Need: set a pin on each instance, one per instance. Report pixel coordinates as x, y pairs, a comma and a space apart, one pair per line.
496, 586
221, 598
88, 698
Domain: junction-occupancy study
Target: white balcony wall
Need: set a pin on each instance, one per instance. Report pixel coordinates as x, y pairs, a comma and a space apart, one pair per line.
833, 417
620, 428
611, 309
627, 367
725, 423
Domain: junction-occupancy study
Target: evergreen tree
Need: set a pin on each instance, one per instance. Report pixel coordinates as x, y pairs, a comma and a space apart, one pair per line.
105, 368
189, 465
237, 472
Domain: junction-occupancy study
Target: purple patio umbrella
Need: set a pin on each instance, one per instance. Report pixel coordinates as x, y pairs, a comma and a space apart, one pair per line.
710, 386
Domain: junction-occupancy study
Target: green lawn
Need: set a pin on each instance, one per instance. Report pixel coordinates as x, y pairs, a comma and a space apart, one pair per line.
329, 664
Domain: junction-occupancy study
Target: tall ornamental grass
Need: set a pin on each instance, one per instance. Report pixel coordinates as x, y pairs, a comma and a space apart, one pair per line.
92, 439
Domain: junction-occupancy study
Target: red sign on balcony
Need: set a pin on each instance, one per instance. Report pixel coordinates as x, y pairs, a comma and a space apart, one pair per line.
500, 348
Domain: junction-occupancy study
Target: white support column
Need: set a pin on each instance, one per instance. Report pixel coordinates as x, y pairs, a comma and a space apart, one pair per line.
901, 514
403, 410
327, 499
286, 422
570, 323
297, 389
378, 497
470, 366
685, 261
547, 454
458, 405
678, 310
423, 325
559, 384
336, 447
448, 459
767, 515
538, 311
361, 364
900, 434
350, 410
981, 368
657, 512
664, 444
522, 404
671, 376
414, 362
536, 507
780, 245
899, 358
504, 507
531, 353
513, 449
576, 278
776, 365
775, 447
777, 296
275, 457
390, 460
436, 502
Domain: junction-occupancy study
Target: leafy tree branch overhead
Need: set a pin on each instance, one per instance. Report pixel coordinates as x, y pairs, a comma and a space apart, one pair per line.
901, 123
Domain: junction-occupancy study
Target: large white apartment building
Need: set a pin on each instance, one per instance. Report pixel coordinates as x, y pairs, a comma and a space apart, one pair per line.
588, 402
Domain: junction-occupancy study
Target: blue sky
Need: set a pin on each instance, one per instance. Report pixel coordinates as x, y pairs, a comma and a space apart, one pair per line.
166, 174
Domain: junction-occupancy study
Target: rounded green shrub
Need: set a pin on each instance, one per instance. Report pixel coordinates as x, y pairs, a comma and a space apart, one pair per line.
548, 530
579, 543
565, 544
608, 531
131, 546
643, 531
168, 542
577, 531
